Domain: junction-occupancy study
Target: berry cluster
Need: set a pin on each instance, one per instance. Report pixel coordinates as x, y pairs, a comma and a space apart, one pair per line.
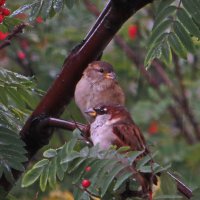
3, 10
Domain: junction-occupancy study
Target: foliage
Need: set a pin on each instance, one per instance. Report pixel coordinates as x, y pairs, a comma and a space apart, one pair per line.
175, 31
109, 169
16, 100
44, 8
176, 27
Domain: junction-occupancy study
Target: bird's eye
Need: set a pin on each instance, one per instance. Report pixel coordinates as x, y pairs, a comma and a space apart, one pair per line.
101, 110
101, 70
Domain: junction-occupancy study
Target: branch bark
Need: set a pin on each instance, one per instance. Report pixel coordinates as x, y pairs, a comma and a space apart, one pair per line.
62, 90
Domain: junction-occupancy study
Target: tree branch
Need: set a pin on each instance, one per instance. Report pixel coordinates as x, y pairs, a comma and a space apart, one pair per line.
18, 29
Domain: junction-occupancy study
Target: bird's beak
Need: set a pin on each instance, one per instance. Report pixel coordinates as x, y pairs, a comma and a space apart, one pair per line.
110, 75
91, 112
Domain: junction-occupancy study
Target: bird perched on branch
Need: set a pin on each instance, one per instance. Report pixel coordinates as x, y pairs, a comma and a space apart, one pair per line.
98, 86
113, 125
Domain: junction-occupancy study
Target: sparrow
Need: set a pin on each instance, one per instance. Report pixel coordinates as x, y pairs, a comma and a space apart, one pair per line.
98, 86
113, 125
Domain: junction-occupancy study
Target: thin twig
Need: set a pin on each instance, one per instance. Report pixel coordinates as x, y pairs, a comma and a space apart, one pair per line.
18, 29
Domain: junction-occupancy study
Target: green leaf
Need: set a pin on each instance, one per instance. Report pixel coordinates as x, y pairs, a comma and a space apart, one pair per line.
153, 52
150, 168
99, 171
177, 46
8, 173
133, 155
44, 178
76, 164
50, 153
12, 162
121, 179
123, 149
162, 169
183, 36
52, 172
70, 145
77, 176
163, 5
166, 53
27, 97
164, 14
12, 92
112, 174
31, 176
193, 8
46, 8
188, 23
35, 10
60, 172
41, 163
77, 193
71, 157
58, 5
145, 160
158, 31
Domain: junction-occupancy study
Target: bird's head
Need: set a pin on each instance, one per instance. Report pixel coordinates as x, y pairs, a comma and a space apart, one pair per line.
100, 70
113, 111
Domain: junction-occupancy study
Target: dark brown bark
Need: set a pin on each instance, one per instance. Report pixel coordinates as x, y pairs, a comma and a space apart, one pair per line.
62, 90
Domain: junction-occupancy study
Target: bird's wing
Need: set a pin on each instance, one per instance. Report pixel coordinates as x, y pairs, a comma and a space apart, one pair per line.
129, 135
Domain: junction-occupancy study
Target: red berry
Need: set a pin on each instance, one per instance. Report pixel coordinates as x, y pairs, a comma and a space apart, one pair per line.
153, 128
85, 183
21, 55
132, 31
2, 2
5, 11
1, 18
3, 35
88, 168
39, 19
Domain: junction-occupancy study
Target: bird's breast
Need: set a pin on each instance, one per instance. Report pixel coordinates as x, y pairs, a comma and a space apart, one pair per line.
103, 136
